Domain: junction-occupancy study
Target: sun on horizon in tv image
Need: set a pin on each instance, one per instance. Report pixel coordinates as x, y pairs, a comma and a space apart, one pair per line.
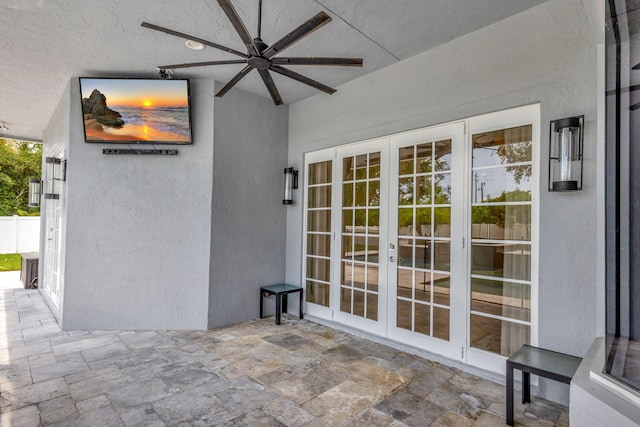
123, 110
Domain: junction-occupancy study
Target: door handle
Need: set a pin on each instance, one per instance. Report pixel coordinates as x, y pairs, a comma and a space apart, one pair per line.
392, 258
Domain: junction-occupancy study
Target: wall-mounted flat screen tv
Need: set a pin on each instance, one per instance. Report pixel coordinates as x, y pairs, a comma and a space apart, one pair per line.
139, 111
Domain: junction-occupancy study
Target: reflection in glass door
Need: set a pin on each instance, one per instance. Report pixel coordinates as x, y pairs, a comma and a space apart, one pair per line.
360, 235
424, 238
318, 233
360, 282
501, 240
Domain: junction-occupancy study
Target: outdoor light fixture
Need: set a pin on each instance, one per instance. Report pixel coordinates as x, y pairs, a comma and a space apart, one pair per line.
50, 164
35, 186
565, 154
290, 184
55, 170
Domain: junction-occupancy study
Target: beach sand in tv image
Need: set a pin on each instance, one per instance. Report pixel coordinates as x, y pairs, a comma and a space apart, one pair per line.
135, 110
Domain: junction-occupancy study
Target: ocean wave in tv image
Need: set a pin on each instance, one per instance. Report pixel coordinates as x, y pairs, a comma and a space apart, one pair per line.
167, 120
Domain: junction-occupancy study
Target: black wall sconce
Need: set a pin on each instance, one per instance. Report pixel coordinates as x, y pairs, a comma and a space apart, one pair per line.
290, 184
55, 170
565, 154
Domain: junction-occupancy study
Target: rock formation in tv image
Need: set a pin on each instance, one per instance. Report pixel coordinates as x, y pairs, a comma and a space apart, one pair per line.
95, 107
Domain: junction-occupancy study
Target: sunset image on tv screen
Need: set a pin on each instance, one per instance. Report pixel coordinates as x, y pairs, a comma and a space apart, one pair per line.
136, 110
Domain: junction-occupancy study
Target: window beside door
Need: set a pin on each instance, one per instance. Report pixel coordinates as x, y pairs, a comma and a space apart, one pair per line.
501, 194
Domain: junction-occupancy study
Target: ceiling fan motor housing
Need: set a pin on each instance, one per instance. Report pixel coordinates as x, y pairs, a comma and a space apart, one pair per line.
259, 63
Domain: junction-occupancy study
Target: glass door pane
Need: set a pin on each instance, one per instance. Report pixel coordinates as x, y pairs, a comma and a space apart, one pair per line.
318, 233
360, 235
359, 285
501, 240
424, 238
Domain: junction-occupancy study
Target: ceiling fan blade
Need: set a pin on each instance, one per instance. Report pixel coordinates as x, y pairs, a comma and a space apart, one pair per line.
343, 62
302, 79
195, 39
233, 81
302, 31
202, 64
271, 86
237, 23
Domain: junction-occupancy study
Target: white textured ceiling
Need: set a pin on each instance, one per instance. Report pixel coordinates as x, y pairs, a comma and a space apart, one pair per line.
43, 43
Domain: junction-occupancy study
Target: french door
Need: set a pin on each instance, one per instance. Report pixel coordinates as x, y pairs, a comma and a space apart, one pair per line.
427, 264
51, 281
427, 237
361, 236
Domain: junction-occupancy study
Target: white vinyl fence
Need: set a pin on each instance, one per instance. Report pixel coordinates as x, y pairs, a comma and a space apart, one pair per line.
19, 234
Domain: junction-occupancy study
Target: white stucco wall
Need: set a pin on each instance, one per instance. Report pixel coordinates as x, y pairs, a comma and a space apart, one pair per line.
138, 228
248, 217
171, 242
546, 54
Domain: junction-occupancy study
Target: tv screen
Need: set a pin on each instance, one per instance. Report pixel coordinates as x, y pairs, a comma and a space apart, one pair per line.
141, 111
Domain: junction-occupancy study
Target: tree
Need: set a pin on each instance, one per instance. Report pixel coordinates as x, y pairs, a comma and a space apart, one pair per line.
513, 153
499, 214
19, 162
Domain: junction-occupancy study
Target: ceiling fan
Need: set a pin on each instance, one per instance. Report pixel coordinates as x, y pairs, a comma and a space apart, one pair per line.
261, 56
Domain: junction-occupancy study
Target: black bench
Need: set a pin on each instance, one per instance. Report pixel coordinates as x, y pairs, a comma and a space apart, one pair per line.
280, 291
544, 363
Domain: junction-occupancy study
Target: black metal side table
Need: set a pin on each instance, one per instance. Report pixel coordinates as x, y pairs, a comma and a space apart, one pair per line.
544, 363
280, 291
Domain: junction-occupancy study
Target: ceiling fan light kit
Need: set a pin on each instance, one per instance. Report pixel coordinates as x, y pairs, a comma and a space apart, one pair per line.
261, 56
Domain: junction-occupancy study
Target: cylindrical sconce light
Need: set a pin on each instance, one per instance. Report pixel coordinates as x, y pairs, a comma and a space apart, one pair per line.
55, 171
565, 154
35, 186
290, 184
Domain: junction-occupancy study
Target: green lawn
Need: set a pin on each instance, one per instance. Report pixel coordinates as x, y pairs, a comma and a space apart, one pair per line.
9, 262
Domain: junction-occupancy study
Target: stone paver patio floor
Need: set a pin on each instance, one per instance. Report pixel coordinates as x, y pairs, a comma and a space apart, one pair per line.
252, 374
